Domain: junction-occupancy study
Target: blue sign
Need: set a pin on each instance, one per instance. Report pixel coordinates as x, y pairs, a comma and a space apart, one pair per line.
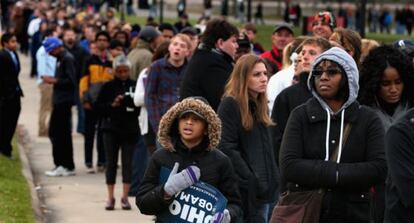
196, 204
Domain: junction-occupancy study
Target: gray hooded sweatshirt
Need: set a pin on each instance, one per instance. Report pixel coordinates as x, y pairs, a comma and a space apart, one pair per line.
347, 63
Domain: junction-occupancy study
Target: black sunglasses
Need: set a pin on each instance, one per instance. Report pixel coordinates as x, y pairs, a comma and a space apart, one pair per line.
330, 72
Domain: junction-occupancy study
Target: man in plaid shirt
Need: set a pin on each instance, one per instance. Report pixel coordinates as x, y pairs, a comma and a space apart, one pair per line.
164, 79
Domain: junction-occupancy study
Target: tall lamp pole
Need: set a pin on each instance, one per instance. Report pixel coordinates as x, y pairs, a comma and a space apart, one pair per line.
161, 11
362, 20
249, 10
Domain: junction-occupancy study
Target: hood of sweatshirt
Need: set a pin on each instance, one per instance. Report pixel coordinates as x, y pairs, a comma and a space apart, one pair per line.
347, 63
350, 69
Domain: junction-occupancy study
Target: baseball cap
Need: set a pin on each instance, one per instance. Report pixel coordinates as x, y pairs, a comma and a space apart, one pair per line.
190, 110
326, 17
405, 46
52, 43
149, 33
189, 30
283, 25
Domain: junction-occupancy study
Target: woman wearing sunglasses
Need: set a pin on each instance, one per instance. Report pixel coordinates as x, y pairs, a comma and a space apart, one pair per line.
333, 143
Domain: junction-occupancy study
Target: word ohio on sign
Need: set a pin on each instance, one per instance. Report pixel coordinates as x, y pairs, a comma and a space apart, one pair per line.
196, 204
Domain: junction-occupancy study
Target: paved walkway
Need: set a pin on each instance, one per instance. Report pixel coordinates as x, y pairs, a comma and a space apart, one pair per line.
75, 199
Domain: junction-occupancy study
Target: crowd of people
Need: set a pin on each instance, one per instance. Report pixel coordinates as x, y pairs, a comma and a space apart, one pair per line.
330, 110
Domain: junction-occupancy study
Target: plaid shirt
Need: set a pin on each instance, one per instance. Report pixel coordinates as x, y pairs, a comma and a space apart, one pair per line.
162, 89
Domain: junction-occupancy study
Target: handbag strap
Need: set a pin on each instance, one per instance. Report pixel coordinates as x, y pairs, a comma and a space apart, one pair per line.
346, 134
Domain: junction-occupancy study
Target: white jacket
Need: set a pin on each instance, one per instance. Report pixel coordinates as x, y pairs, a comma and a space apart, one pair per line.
140, 102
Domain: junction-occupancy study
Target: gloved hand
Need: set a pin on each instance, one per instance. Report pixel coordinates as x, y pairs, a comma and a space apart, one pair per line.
177, 182
221, 217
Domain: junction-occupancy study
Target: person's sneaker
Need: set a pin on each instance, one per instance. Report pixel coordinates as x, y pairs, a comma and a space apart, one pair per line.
100, 169
59, 172
56, 172
125, 204
90, 169
68, 172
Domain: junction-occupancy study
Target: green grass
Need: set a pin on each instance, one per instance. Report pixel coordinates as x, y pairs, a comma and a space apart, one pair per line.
265, 31
15, 199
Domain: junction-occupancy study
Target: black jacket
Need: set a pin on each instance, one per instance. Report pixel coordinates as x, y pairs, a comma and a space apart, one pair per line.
206, 75
9, 82
285, 102
64, 88
312, 134
251, 154
215, 167
81, 55
122, 119
400, 158
362, 162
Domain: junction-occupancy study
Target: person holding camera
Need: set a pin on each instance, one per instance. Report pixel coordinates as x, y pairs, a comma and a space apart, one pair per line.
119, 126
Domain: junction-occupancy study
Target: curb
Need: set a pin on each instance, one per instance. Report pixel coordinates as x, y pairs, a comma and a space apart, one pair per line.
23, 145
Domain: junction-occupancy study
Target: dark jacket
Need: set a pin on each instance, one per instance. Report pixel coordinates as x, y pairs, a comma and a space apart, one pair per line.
122, 119
206, 75
285, 102
215, 167
81, 55
64, 88
9, 82
400, 159
251, 154
309, 141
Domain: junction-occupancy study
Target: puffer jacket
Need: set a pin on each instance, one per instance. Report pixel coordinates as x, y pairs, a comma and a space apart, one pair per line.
215, 167
314, 131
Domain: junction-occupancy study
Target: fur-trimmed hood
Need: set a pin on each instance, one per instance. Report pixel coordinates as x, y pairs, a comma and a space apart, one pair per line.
168, 123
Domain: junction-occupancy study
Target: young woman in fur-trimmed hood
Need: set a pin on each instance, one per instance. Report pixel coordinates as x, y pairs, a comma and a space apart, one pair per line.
189, 133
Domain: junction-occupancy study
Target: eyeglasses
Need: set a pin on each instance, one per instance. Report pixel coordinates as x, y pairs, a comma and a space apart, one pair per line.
330, 72
101, 39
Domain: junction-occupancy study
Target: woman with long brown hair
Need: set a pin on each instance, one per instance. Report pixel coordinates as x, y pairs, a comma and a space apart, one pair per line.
246, 138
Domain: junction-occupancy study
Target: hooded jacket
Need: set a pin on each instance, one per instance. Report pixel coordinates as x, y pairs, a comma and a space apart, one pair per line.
215, 167
312, 134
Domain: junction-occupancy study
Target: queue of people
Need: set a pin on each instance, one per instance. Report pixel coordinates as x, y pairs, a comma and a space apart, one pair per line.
197, 105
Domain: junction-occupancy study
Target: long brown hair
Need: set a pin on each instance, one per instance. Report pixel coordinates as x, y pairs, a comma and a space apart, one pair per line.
237, 88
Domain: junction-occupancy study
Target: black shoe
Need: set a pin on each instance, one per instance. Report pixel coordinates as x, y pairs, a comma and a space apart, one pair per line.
125, 204
110, 205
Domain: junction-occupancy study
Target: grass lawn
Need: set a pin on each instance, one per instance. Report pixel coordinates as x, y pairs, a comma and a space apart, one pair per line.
15, 199
265, 31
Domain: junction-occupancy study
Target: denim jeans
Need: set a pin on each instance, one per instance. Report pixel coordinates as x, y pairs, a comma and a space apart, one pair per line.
139, 165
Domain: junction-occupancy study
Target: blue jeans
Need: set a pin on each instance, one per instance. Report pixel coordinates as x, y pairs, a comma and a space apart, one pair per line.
262, 212
139, 165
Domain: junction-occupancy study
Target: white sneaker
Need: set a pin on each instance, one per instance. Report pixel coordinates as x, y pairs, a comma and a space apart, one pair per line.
68, 172
57, 172
60, 171
90, 170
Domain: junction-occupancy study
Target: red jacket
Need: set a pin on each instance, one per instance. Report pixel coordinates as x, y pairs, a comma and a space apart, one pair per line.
274, 57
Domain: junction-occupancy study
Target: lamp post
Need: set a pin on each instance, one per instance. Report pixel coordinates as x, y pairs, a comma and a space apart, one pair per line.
249, 10
161, 11
362, 17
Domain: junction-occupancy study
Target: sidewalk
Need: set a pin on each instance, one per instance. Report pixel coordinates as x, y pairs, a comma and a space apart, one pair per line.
75, 199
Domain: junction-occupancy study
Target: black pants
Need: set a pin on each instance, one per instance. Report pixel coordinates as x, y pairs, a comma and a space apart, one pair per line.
9, 114
60, 135
113, 143
92, 126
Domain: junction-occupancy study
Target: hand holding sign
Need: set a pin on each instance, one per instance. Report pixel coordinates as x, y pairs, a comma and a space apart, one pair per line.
221, 217
177, 182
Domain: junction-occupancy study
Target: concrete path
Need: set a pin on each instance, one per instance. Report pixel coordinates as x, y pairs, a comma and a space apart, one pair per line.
75, 199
